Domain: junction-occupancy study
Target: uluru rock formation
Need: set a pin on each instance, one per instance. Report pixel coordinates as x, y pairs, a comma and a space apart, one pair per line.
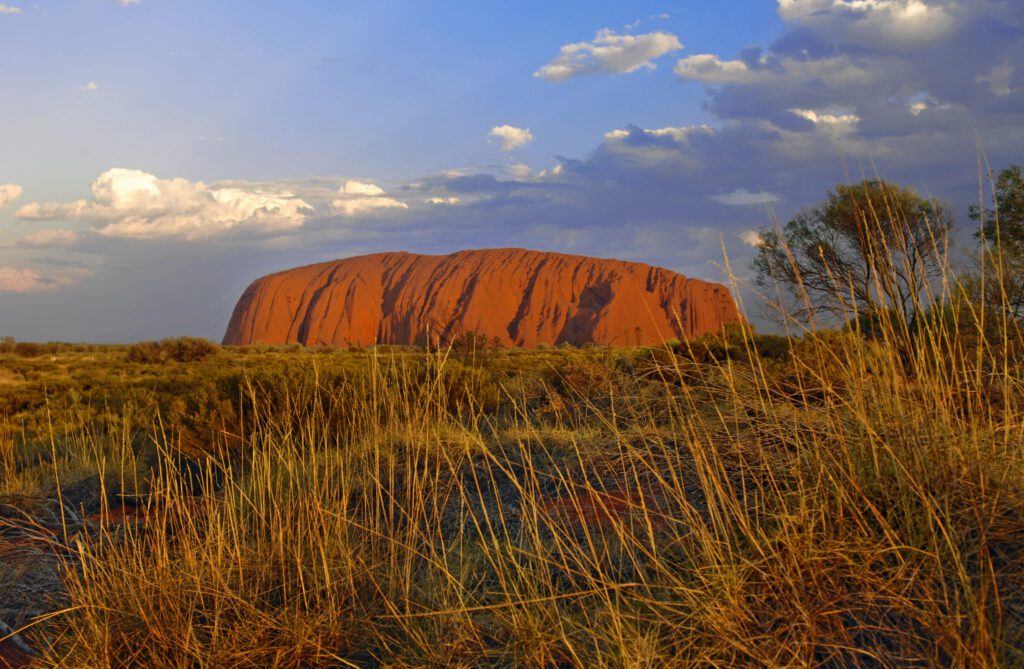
519, 297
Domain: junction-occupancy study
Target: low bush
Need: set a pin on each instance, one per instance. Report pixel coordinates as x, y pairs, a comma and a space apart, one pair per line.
145, 352
180, 349
29, 349
188, 349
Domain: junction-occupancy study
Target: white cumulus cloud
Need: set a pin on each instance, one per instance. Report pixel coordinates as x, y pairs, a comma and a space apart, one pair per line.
750, 238
9, 9
510, 136
136, 204
451, 200
610, 53
9, 193
356, 198
360, 188
712, 69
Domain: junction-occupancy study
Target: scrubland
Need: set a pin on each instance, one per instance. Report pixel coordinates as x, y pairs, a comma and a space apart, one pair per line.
848, 496
833, 499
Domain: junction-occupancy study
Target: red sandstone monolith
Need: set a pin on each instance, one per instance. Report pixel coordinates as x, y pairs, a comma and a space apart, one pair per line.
516, 296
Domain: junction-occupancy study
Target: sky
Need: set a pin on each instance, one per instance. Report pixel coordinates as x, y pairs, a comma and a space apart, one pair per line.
156, 156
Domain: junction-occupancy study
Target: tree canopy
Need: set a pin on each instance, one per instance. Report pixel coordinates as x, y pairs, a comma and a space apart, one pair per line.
1002, 235
866, 247
1004, 220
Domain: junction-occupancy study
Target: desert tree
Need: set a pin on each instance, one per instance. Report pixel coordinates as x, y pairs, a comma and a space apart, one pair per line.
1003, 222
999, 280
867, 248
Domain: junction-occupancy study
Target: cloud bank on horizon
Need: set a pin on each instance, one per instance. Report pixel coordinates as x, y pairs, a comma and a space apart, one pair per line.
845, 88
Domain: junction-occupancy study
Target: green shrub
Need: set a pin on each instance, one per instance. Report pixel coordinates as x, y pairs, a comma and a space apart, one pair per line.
188, 349
772, 347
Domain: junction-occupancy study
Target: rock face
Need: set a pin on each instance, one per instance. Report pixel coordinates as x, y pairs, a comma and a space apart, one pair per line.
520, 297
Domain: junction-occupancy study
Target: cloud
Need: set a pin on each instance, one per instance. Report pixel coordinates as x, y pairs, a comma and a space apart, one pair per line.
651, 147
750, 238
356, 198
609, 53
553, 172
677, 134
9, 9
880, 80
520, 172
874, 23
361, 188
510, 136
128, 3
135, 204
709, 68
998, 78
15, 280
637, 22
50, 239
9, 193
742, 197
836, 121
919, 103
712, 69
452, 200
89, 87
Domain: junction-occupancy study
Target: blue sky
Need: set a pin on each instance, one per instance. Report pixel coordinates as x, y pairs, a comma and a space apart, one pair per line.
158, 155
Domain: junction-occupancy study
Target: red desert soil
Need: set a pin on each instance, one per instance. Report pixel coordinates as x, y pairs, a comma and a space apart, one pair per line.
519, 297
593, 508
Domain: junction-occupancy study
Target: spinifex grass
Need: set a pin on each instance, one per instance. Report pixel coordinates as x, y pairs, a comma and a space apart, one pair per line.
856, 515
